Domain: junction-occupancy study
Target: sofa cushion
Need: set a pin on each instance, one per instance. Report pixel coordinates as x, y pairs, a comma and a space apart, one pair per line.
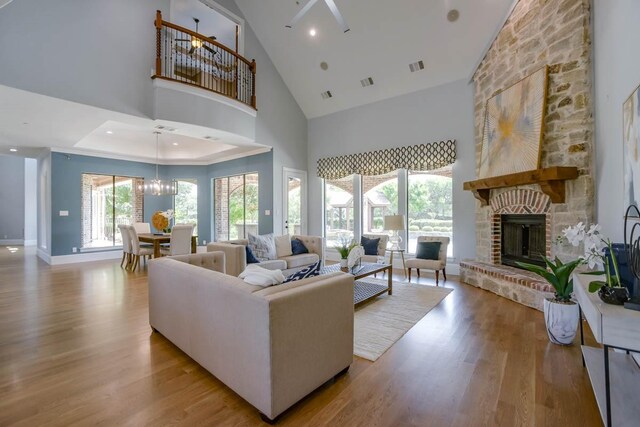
251, 259
294, 261
298, 248
428, 250
311, 271
273, 264
263, 246
283, 246
370, 245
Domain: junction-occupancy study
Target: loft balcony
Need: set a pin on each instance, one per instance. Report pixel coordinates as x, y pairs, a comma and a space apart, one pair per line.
194, 59
200, 81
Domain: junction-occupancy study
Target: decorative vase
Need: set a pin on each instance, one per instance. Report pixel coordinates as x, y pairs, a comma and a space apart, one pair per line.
343, 263
561, 320
615, 296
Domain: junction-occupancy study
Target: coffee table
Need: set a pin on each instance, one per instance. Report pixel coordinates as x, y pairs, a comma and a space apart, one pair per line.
365, 290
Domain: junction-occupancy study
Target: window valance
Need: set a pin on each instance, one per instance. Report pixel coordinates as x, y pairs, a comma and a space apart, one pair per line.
421, 157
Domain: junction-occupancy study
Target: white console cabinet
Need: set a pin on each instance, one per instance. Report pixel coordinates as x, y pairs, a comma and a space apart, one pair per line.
613, 371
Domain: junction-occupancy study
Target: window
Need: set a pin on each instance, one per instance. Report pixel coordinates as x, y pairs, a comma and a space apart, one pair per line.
380, 199
108, 201
429, 197
424, 198
185, 203
338, 202
236, 206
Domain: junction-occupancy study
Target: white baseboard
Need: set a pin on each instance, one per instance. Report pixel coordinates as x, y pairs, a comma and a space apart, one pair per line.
44, 256
30, 242
16, 242
75, 258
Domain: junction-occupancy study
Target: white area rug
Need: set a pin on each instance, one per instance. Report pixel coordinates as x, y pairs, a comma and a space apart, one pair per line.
383, 321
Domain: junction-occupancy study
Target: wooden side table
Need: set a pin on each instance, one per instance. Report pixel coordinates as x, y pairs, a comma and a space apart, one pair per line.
401, 252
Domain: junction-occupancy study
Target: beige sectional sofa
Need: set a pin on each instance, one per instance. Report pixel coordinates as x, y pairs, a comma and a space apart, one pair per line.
272, 346
236, 257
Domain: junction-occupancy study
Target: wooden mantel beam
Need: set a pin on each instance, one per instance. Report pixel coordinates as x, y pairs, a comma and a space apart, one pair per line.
551, 181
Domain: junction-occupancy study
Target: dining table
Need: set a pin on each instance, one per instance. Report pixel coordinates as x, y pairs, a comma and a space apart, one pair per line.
158, 239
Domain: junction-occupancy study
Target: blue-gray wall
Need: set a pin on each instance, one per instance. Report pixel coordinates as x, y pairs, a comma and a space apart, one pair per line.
66, 191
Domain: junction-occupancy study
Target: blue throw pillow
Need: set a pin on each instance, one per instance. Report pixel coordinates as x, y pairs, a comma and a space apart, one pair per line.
428, 250
311, 271
297, 247
251, 259
370, 245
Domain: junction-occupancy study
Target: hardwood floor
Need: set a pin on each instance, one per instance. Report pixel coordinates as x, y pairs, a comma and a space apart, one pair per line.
76, 348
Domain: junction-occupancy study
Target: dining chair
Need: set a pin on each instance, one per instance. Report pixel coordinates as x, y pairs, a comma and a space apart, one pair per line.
142, 227
126, 245
180, 240
136, 249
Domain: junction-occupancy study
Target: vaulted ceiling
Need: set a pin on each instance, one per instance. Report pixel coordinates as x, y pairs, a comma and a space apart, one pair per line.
385, 37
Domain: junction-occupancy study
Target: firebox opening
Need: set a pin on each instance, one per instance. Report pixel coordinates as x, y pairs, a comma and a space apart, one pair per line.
523, 239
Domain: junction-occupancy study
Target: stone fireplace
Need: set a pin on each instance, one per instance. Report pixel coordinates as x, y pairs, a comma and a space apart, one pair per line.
556, 33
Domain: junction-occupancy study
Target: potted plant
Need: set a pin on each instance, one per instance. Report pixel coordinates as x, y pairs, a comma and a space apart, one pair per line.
611, 290
343, 249
560, 312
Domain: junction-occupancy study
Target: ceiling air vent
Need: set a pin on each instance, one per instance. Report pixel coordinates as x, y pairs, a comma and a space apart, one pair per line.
167, 128
416, 66
326, 95
366, 82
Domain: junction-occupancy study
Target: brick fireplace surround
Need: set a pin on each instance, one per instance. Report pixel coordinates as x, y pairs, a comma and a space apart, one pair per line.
556, 33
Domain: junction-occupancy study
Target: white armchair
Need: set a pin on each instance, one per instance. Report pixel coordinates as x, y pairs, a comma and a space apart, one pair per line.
430, 264
382, 247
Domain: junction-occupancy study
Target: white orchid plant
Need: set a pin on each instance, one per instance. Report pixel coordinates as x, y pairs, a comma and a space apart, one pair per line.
594, 253
167, 214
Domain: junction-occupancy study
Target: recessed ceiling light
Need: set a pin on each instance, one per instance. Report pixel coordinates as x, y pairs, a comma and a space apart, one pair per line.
13, 150
324, 66
453, 15
312, 32
175, 143
109, 132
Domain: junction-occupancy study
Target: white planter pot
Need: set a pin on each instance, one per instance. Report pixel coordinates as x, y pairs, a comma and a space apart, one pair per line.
561, 320
343, 263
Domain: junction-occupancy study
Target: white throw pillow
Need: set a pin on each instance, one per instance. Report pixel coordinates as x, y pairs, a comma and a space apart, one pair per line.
263, 247
283, 246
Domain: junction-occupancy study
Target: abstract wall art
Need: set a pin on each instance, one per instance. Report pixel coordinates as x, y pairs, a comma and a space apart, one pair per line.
513, 124
631, 143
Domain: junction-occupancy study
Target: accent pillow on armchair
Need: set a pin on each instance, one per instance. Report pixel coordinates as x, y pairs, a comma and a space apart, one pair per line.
370, 245
428, 250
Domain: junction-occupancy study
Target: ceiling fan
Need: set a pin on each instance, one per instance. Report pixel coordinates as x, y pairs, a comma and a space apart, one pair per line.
195, 42
332, 7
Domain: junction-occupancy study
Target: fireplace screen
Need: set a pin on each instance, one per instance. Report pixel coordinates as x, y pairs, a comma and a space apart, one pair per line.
523, 239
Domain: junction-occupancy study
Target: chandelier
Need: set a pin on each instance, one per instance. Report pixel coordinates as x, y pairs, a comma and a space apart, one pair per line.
157, 186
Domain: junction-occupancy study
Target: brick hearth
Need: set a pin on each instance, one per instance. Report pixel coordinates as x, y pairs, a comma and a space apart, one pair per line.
517, 285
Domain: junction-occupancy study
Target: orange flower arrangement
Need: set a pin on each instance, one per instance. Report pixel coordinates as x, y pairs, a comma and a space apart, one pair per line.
160, 219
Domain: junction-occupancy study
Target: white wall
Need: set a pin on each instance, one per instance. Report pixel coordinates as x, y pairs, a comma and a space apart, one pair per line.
440, 113
280, 123
30, 201
11, 199
616, 40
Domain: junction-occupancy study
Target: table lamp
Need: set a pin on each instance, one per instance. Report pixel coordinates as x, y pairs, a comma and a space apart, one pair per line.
394, 223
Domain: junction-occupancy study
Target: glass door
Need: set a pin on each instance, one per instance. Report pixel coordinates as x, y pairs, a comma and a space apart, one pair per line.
295, 202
